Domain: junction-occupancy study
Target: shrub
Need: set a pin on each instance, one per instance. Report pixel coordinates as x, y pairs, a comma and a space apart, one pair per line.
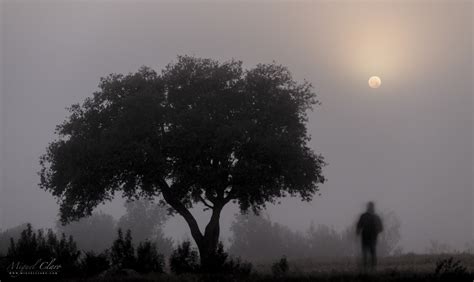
146, 219
5, 236
280, 267
92, 264
122, 252
67, 254
218, 261
184, 259
450, 270
238, 267
31, 247
222, 263
25, 249
148, 258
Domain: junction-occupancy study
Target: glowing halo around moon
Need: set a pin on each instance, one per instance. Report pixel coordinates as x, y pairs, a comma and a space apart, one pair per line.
375, 82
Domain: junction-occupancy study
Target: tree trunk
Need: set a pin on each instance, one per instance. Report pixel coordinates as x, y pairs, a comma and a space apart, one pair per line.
209, 243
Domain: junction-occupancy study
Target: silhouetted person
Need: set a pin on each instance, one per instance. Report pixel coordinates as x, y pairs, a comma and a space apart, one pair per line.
369, 227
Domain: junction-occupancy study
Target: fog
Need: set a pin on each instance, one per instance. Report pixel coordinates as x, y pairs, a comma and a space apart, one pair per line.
407, 145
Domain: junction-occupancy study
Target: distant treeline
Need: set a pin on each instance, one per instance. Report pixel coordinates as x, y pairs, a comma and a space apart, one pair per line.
258, 238
143, 218
252, 237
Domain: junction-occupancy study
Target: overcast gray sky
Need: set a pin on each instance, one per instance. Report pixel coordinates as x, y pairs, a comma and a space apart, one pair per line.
408, 145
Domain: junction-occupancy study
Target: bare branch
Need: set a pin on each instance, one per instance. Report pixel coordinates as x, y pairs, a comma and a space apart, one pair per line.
205, 202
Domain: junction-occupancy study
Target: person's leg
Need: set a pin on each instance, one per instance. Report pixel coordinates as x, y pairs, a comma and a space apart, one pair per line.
373, 255
364, 255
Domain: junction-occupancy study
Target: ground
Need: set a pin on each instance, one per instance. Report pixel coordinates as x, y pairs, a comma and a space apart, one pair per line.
408, 267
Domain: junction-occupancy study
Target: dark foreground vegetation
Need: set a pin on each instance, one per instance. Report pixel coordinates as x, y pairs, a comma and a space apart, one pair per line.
458, 267
40, 254
124, 261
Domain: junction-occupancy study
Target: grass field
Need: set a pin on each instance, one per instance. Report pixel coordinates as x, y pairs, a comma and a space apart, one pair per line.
405, 263
400, 268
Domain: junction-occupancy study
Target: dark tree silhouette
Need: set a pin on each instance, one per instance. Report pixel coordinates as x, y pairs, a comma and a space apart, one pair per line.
201, 131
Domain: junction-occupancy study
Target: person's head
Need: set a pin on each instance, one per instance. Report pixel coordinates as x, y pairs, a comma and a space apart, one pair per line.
370, 207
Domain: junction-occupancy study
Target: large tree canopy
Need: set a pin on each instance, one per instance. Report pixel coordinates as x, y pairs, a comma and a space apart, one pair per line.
201, 131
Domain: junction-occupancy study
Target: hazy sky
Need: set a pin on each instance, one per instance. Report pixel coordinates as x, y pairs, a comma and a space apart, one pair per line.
408, 145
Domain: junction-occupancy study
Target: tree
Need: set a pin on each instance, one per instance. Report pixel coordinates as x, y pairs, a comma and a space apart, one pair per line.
93, 264
325, 241
31, 247
122, 252
184, 259
5, 236
146, 219
437, 247
199, 132
256, 237
148, 258
92, 233
390, 237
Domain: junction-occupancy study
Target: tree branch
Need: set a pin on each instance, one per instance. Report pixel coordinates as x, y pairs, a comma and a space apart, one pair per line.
229, 196
182, 210
205, 202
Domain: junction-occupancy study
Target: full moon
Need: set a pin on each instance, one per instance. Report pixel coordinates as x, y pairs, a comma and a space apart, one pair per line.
375, 82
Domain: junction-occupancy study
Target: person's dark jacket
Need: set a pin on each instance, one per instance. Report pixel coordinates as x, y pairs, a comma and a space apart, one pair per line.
369, 226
